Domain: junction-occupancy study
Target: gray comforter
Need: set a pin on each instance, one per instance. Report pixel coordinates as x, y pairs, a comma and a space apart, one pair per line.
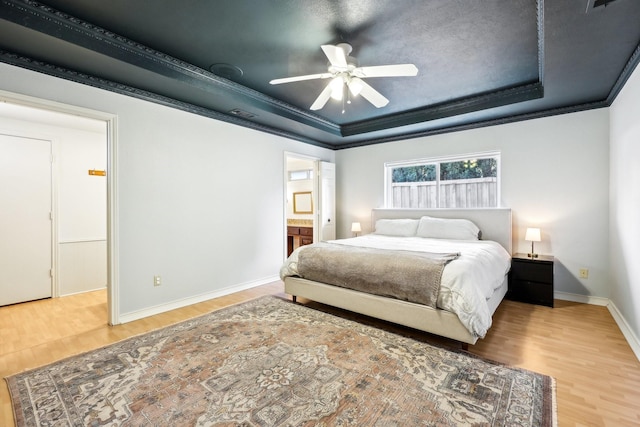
405, 275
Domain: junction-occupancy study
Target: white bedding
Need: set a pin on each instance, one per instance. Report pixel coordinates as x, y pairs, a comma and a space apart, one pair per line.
467, 282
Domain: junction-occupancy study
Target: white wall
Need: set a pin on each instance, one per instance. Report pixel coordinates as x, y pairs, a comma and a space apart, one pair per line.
625, 204
80, 200
555, 175
82, 211
199, 202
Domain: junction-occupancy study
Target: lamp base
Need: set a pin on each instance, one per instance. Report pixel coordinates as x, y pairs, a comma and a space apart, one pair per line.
532, 254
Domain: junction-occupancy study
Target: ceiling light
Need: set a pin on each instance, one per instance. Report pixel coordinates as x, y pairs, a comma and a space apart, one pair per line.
337, 88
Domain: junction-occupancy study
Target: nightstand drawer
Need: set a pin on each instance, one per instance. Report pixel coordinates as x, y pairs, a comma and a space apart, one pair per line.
306, 231
525, 271
531, 280
532, 292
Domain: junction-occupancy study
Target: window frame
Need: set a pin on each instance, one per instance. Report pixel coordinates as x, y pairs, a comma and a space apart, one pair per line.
389, 166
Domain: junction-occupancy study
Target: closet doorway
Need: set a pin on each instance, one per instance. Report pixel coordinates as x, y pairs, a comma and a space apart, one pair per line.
73, 166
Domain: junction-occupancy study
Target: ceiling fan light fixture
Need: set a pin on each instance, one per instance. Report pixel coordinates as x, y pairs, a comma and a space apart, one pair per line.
337, 88
347, 78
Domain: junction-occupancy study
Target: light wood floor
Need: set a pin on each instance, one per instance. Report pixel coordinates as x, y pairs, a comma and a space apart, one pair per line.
597, 374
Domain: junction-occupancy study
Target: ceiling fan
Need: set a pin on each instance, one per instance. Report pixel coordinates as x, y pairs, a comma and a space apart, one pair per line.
346, 77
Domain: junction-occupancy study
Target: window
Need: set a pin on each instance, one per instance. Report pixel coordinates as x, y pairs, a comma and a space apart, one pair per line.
469, 181
300, 175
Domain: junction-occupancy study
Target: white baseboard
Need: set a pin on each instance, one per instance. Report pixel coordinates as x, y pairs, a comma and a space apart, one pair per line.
82, 292
162, 308
631, 338
584, 299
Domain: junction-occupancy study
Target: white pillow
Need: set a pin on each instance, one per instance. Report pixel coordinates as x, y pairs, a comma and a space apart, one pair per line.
397, 227
446, 228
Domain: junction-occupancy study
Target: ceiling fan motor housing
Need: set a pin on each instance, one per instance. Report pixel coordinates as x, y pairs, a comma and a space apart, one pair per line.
352, 63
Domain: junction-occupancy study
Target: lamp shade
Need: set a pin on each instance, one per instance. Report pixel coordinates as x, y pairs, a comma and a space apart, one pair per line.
532, 235
355, 227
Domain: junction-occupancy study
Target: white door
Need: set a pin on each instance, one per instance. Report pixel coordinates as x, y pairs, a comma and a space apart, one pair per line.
25, 219
326, 201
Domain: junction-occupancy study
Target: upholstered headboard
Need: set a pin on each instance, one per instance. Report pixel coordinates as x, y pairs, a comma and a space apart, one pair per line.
494, 223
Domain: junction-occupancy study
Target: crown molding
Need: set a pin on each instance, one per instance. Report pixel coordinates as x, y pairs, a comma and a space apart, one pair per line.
122, 89
49, 21
628, 69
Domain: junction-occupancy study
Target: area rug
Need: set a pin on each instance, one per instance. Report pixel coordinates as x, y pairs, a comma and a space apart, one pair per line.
270, 362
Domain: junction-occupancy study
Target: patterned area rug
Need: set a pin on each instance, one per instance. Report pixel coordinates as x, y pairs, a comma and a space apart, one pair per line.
269, 362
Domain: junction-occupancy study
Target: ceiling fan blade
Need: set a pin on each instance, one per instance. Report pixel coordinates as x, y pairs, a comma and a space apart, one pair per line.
372, 95
355, 85
322, 98
300, 78
397, 70
335, 54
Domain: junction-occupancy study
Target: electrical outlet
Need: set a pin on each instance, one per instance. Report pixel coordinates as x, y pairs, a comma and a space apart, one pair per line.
584, 273
157, 281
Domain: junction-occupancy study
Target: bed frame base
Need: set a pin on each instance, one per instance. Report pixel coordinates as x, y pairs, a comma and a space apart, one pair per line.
424, 318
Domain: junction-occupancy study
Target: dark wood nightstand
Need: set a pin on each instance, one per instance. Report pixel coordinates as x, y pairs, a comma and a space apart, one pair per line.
531, 279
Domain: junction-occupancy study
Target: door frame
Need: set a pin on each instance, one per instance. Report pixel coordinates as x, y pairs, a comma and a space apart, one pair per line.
111, 120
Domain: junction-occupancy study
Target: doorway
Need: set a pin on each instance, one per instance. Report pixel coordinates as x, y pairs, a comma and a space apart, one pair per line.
78, 211
300, 202
309, 201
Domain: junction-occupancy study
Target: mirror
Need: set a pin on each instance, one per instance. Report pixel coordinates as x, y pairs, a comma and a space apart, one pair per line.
302, 203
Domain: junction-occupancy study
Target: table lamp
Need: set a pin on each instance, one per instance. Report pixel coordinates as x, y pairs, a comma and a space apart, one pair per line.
532, 235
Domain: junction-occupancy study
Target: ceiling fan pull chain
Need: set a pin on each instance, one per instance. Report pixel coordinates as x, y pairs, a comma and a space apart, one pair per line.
347, 95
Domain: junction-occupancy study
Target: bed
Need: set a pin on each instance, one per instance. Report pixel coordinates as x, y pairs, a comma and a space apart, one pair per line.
439, 318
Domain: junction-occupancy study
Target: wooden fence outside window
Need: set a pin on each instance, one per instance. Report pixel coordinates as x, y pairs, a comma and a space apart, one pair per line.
459, 193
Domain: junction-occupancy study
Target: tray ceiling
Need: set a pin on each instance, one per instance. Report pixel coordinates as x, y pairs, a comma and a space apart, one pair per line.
480, 63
